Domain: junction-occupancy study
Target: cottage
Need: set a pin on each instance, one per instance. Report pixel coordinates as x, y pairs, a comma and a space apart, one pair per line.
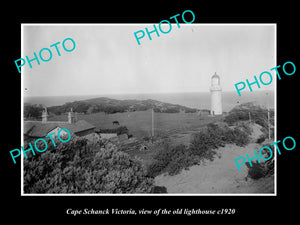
38, 129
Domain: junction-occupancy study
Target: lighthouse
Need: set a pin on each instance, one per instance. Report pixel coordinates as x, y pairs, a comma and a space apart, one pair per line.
216, 95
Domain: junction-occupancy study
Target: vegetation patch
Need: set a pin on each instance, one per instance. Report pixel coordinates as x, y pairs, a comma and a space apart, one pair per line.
263, 168
76, 167
172, 159
256, 171
247, 111
108, 106
119, 130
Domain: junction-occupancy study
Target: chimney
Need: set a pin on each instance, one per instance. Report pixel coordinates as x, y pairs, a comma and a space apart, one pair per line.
44, 116
71, 116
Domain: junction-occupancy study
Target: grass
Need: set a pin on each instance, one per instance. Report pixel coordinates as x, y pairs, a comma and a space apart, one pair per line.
139, 122
178, 128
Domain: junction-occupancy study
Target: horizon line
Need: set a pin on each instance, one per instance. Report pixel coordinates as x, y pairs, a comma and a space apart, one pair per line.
145, 93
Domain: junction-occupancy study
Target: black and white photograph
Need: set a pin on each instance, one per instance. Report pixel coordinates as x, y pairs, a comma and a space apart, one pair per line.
143, 111
118, 109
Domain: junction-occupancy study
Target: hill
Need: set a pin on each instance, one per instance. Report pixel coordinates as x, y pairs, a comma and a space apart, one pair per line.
110, 106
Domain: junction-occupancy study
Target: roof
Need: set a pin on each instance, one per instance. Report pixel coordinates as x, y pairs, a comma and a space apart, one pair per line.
78, 126
215, 76
38, 129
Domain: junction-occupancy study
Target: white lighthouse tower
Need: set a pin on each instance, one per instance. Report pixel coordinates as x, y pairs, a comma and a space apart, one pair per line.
216, 95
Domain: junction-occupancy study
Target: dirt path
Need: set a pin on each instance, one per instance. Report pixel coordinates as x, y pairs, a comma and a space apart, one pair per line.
220, 175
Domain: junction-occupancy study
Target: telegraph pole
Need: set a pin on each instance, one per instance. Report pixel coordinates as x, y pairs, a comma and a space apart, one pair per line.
269, 128
269, 121
249, 117
152, 133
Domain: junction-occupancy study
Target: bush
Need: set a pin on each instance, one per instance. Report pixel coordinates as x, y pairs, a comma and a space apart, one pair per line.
218, 135
183, 160
244, 126
117, 173
261, 139
256, 171
119, 130
188, 110
240, 137
258, 115
33, 111
171, 110
171, 160
159, 189
161, 159
202, 146
73, 167
263, 168
155, 168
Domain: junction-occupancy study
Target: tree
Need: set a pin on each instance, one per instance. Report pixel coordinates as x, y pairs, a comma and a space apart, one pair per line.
33, 111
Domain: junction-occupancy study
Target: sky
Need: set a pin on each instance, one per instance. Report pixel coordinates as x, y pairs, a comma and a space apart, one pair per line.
108, 60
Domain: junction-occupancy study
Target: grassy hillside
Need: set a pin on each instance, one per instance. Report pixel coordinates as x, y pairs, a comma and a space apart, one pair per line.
111, 106
139, 122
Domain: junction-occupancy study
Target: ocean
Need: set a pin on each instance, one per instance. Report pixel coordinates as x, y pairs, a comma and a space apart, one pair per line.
199, 100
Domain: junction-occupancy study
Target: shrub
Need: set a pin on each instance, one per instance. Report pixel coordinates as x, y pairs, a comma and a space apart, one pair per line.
159, 189
161, 159
256, 171
155, 168
181, 158
73, 167
119, 130
217, 136
244, 126
261, 139
268, 166
171, 160
240, 137
171, 110
33, 111
188, 110
118, 173
202, 146
263, 168
258, 114
181, 161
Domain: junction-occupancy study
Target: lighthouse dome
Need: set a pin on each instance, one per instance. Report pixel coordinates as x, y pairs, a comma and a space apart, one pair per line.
215, 76
215, 79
